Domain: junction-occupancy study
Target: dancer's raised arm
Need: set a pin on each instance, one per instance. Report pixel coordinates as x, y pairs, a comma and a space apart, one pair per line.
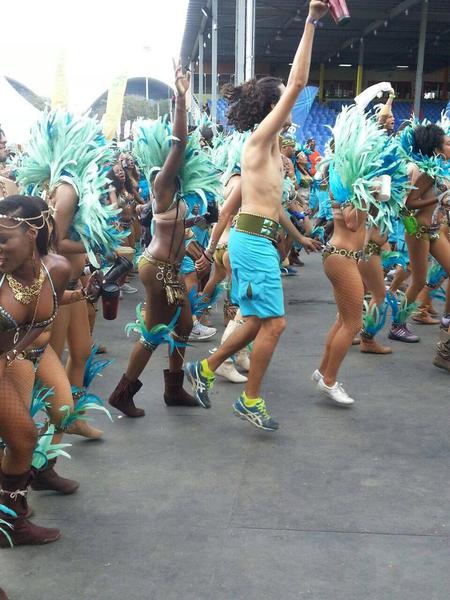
165, 180
298, 78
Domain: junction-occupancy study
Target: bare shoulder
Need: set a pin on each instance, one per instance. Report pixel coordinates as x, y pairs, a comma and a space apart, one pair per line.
59, 268
65, 193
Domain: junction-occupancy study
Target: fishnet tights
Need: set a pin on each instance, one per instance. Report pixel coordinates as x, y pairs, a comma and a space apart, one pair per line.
17, 428
348, 291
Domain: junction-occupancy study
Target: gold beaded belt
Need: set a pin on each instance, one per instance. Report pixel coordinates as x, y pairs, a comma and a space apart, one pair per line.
258, 225
330, 249
372, 249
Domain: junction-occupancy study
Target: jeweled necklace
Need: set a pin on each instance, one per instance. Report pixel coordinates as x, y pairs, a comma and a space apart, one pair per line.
24, 293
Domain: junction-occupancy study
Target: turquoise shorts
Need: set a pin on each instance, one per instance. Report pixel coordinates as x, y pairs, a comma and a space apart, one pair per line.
256, 277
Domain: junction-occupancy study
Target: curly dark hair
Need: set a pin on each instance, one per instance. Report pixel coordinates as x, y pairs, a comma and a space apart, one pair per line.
428, 138
251, 102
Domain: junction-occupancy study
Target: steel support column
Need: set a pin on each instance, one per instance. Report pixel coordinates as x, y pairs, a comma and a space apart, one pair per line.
250, 40
420, 58
239, 52
214, 81
321, 82
200, 70
360, 71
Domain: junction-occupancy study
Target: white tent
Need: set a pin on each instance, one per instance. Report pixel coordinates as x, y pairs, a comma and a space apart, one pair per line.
16, 114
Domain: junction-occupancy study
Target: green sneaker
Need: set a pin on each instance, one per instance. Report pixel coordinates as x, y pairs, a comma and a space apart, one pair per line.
257, 414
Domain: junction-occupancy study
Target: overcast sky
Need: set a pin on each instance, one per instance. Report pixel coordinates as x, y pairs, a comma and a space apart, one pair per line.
101, 38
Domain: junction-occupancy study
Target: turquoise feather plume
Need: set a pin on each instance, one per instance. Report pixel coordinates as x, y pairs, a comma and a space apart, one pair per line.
401, 310
197, 175
435, 274
39, 397
9, 513
390, 259
159, 334
199, 302
94, 367
234, 147
46, 451
374, 318
438, 294
434, 166
318, 233
359, 144
68, 149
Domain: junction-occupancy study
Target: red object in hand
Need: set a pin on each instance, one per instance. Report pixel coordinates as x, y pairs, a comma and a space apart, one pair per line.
339, 11
110, 301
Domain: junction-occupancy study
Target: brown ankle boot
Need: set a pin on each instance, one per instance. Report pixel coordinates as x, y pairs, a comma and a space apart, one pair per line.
48, 479
3, 595
174, 394
442, 358
371, 346
122, 398
13, 494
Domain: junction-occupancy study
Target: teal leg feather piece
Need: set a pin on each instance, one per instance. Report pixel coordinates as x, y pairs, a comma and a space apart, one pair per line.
45, 450
438, 294
200, 302
401, 309
86, 400
39, 404
435, 275
374, 319
10, 513
389, 260
159, 334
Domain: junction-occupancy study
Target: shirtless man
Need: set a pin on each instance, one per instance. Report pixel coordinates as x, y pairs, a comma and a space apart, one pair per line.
253, 255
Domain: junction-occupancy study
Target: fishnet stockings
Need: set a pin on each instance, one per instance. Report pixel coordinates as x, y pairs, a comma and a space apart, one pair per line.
348, 290
17, 428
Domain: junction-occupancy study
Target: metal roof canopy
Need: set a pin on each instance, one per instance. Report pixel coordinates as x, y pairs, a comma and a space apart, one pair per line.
390, 29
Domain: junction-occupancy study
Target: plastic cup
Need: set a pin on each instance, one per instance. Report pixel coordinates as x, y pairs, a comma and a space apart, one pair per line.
339, 11
110, 301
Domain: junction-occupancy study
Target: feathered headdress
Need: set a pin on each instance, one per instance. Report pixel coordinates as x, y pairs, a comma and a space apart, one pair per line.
197, 175
434, 166
362, 152
68, 149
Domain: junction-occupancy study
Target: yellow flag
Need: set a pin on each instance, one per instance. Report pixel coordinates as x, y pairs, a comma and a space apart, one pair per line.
60, 96
114, 106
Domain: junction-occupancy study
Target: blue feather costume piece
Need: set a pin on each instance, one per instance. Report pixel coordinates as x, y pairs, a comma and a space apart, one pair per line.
401, 309
85, 399
200, 302
9, 513
435, 275
39, 403
434, 166
374, 318
159, 334
391, 259
72, 150
46, 451
363, 152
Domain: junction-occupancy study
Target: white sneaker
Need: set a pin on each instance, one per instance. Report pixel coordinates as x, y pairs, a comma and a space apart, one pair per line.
316, 376
228, 371
242, 360
200, 332
128, 289
336, 393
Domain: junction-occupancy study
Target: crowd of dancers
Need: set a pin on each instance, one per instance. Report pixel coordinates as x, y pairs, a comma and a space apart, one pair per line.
204, 214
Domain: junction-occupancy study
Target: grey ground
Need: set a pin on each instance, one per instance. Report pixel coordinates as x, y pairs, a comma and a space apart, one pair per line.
197, 505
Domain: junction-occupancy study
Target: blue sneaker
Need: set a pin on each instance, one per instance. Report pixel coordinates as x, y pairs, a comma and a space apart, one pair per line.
201, 384
257, 415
